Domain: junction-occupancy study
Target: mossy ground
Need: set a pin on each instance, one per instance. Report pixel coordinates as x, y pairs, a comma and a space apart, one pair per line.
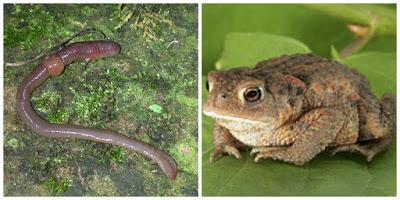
149, 92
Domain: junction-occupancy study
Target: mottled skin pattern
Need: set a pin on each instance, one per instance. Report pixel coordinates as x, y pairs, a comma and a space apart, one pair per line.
293, 107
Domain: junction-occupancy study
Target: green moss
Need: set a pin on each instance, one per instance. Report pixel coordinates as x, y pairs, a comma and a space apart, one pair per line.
185, 153
136, 99
25, 30
58, 159
48, 102
149, 21
115, 74
117, 154
88, 106
58, 185
145, 138
10, 76
92, 99
14, 143
187, 101
102, 185
113, 154
156, 108
58, 116
30, 23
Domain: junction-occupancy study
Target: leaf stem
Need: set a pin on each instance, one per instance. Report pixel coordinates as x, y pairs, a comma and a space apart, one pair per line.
364, 35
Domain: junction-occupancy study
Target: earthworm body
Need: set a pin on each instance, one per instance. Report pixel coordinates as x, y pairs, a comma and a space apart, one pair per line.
53, 65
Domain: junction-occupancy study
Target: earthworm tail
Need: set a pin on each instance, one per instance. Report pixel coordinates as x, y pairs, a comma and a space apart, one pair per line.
53, 65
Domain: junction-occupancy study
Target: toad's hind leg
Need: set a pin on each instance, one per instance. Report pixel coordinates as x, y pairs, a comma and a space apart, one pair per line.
320, 129
369, 150
377, 129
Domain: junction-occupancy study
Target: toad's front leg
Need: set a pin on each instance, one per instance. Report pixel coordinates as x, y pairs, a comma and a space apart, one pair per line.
314, 131
224, 143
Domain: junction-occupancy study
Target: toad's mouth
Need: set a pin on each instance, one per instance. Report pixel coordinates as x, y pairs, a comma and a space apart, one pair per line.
218, 117
250, 132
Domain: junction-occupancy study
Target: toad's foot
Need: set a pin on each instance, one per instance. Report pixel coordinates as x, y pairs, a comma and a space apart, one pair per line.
257, 150
355, 148
369, 150
219, 151
265, 152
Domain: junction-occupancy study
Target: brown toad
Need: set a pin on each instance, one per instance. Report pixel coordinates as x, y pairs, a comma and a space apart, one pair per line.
293, 107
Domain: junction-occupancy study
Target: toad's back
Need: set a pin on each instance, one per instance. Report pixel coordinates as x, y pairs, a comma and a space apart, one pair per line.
331, 84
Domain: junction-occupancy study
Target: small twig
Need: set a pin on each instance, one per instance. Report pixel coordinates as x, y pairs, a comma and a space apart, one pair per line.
124, 21
353, 47
173, 42
363, 33
86, 31
160, 19
57, 47
20, 63
137, 21
81, 179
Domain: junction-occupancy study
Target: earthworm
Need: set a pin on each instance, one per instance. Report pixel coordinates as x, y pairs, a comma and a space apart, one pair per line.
53, 65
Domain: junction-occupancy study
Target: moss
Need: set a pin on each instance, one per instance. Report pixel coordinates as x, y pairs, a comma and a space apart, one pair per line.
145, 138
58, 185
58, 116
24, 30
48, 103
187, 101
156, 108
40, 190
98, 98
14, 143
102, 185
185, 153
117, 155
10, 75
58, 159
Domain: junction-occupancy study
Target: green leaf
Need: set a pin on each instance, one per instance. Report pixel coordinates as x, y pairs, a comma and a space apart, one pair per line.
335, 54
362, 14
318, 30
379, 67
344, 174
260, 46
156, 108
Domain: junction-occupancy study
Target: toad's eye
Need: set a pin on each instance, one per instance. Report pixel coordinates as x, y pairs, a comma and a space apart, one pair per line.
253, 94
209, 86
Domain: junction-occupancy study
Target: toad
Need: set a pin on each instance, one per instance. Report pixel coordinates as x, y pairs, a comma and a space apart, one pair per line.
293, 107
